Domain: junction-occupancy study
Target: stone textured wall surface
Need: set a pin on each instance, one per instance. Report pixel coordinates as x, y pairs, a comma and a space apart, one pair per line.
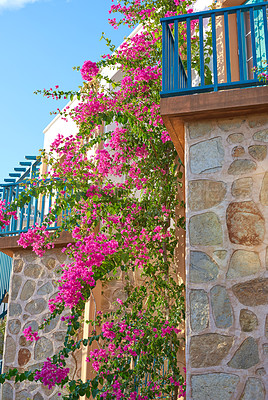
227, 259
33, 283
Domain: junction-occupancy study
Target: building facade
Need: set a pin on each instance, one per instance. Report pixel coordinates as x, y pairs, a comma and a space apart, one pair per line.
220, 132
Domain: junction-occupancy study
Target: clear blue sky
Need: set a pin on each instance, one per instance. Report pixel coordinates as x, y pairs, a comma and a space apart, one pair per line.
40, 42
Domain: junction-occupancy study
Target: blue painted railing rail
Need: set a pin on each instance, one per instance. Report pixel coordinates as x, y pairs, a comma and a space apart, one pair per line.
252, 49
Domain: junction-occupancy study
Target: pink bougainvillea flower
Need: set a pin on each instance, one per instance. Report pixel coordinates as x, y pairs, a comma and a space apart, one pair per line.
51, 374
30, 335
89, 70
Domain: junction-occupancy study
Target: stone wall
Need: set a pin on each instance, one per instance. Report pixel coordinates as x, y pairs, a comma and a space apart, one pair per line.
33, 283
227, 259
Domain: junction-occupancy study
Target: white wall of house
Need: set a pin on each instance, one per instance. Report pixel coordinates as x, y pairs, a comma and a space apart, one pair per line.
58, 125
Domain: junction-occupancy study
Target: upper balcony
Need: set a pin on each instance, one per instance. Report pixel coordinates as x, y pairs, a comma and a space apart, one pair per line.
208, 57
214, 50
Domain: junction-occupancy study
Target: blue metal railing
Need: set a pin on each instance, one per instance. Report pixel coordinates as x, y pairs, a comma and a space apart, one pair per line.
32, 213
35, 210
249, 34
5, 271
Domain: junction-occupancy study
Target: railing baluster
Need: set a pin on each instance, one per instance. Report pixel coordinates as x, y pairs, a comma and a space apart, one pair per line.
176, 56
253, 40
171, 60
4, 196
14, 221
49, 202
227, 46
164, 56
189, 56
21, 219
168, 58
42, 209
182, 83
29, 209
10, 195
201, 46
240, 46
35, 210
214, 52
265, 31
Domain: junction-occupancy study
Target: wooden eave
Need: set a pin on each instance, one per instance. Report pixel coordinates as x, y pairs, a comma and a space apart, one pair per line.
177, 110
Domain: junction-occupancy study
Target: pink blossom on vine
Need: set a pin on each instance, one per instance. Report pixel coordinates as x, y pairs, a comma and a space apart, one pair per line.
5, 215
51, 374
37, 237
165, 137
30, 335
89, 70
77, 276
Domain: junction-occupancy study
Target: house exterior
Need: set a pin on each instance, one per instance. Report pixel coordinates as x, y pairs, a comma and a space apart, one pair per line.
220, 132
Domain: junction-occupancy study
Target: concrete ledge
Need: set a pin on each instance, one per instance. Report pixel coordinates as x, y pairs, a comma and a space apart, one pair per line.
9, 245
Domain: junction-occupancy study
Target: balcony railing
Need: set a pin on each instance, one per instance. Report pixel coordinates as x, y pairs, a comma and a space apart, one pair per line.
35, 209
5, 271
238, 41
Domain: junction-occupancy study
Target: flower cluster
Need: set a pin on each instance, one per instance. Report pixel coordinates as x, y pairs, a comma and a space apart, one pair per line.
51, 374
30, 335
88, 253
5, 215
261, 71
89, 70
38, 238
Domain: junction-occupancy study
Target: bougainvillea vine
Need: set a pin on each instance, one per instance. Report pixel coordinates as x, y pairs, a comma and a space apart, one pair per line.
119, 185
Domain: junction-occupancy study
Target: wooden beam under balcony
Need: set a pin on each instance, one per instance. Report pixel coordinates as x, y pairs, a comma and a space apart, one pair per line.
9, 245
177, 110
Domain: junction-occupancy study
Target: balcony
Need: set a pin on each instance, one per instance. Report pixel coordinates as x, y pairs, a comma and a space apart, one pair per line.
214, 50
207, 67
35, 209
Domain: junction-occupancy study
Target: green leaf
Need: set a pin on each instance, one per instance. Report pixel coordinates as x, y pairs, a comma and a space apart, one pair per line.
94, 384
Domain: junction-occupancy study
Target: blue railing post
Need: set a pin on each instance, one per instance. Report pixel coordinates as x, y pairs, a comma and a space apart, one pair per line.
201, 53
265, 31
253, 40
189, 54
240, 46
214, 52
176, 55
227, 47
